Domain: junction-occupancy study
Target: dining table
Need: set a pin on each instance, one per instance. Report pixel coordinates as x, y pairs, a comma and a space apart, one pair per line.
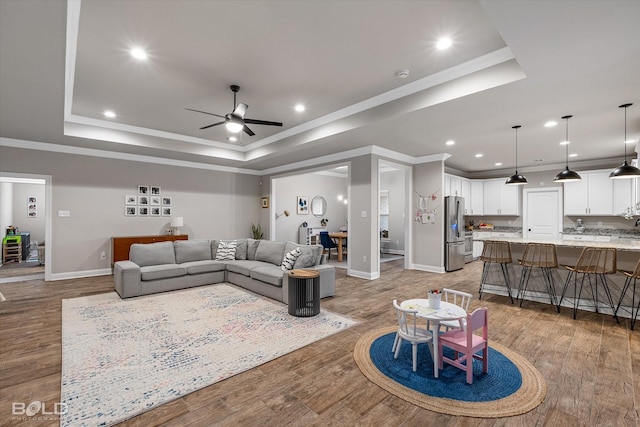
341, 236
433, 316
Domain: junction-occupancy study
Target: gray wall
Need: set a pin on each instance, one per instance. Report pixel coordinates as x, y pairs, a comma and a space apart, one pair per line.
428, 239
309, 185
213, 204
35, 225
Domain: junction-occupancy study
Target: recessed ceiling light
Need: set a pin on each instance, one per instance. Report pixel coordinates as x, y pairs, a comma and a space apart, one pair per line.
232, 138
109, 113
299, 108
450, 142
550, 124
138, 53
499, 164
402, 74
479, 155
443, 43
565, 142
573, 155
630, 141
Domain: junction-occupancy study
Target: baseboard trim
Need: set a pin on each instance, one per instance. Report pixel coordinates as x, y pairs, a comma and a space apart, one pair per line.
81, 274
364, 275
429, 268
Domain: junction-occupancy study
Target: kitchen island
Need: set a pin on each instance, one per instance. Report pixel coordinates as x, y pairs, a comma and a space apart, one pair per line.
568, 251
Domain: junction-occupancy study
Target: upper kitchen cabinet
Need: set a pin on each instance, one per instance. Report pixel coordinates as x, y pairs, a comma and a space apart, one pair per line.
593, 195
500, 199
452, 185
624, 196
476, 198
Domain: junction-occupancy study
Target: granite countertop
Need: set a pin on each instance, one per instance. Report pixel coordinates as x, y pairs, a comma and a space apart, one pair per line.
622, 244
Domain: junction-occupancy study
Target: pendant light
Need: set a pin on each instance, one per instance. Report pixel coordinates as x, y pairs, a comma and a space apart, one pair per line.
626, 170
516, 178
567, 175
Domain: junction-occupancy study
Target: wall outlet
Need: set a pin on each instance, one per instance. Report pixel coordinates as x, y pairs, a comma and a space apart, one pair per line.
363, 214
364, 258
103, 255
64, 213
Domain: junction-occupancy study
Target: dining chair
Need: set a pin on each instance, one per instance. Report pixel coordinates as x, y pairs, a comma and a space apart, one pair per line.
458, 298
542, 256
327, 242
409, 330
593, 263
496, 252
631, 276
465, 344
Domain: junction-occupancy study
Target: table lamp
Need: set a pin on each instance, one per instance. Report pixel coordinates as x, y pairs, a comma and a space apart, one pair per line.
176, 223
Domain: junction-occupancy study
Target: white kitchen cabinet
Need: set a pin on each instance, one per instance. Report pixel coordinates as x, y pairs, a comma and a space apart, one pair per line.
586, 237
624, 195
500, 198
452, 185
477, 249
465, 192
593, 195
476, 198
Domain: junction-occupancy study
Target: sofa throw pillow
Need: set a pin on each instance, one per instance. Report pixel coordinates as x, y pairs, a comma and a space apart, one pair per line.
226, 251
290, 259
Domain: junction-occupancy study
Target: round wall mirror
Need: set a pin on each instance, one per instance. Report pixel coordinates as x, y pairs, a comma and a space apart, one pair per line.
318, 206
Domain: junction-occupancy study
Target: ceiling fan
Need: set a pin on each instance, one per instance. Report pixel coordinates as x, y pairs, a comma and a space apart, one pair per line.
235, 121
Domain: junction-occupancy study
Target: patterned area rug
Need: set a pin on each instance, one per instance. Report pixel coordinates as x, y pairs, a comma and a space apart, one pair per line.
123, 357
511, 387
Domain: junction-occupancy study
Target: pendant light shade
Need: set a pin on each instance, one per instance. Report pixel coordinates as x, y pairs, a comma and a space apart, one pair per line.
516, 178
567, 175
625, 170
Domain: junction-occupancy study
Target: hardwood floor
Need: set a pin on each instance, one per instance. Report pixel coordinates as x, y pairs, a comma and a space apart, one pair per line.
591, 364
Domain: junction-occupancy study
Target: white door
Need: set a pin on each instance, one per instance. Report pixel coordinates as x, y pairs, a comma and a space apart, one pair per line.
542, 217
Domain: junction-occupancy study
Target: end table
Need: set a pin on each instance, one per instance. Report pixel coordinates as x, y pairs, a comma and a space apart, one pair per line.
304, 293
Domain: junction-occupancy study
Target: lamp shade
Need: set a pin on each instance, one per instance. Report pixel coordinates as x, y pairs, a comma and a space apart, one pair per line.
516, 179
177, 221
625, 171
567, 175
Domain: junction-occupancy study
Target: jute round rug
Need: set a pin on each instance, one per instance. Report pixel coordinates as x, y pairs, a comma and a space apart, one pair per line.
530, 387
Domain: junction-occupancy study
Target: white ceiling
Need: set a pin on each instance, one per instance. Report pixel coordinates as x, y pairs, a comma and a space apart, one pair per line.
512, 62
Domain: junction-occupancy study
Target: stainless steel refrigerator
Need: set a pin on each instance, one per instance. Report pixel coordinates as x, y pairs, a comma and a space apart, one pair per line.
453, 233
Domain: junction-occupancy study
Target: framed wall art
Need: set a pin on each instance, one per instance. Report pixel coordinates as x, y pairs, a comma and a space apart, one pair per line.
155, 210
130, 199
166, 211
303, 205
129, 211
166, 201
143, 189
155, 190
143, 211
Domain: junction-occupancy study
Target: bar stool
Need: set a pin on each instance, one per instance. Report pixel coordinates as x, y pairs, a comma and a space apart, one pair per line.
597, 262
542, 256
631, 277
496, 252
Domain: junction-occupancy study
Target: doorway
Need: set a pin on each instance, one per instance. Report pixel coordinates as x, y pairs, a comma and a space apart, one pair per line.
26, 204
542, 213
394, 187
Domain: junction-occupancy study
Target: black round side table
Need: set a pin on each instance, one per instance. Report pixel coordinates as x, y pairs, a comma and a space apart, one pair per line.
304, 293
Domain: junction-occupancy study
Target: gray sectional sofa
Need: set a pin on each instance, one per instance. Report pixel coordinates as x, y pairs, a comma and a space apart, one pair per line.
252, 264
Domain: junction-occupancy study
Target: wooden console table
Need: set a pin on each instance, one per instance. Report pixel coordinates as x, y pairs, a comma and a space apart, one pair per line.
120, 245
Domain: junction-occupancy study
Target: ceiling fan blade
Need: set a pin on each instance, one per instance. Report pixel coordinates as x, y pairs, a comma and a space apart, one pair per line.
262, 122
204, 112
215, 124
240, 110
248, 131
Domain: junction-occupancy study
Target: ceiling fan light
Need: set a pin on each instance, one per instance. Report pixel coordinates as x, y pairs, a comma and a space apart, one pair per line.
234, 125
625, 171
567, 175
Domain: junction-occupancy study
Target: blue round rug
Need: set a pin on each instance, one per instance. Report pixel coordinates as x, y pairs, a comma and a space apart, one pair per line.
511, 387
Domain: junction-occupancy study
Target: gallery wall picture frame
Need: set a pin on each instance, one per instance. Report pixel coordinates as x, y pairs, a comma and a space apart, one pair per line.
32, 199
166, 201
166, 211
32, 214
143, 189
265, 202
130, 199
303, 205
155, 210
143, 200
155, 190
143, 211
155, 200
130, 211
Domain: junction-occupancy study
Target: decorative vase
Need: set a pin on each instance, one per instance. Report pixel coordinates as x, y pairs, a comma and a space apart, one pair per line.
434, 300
